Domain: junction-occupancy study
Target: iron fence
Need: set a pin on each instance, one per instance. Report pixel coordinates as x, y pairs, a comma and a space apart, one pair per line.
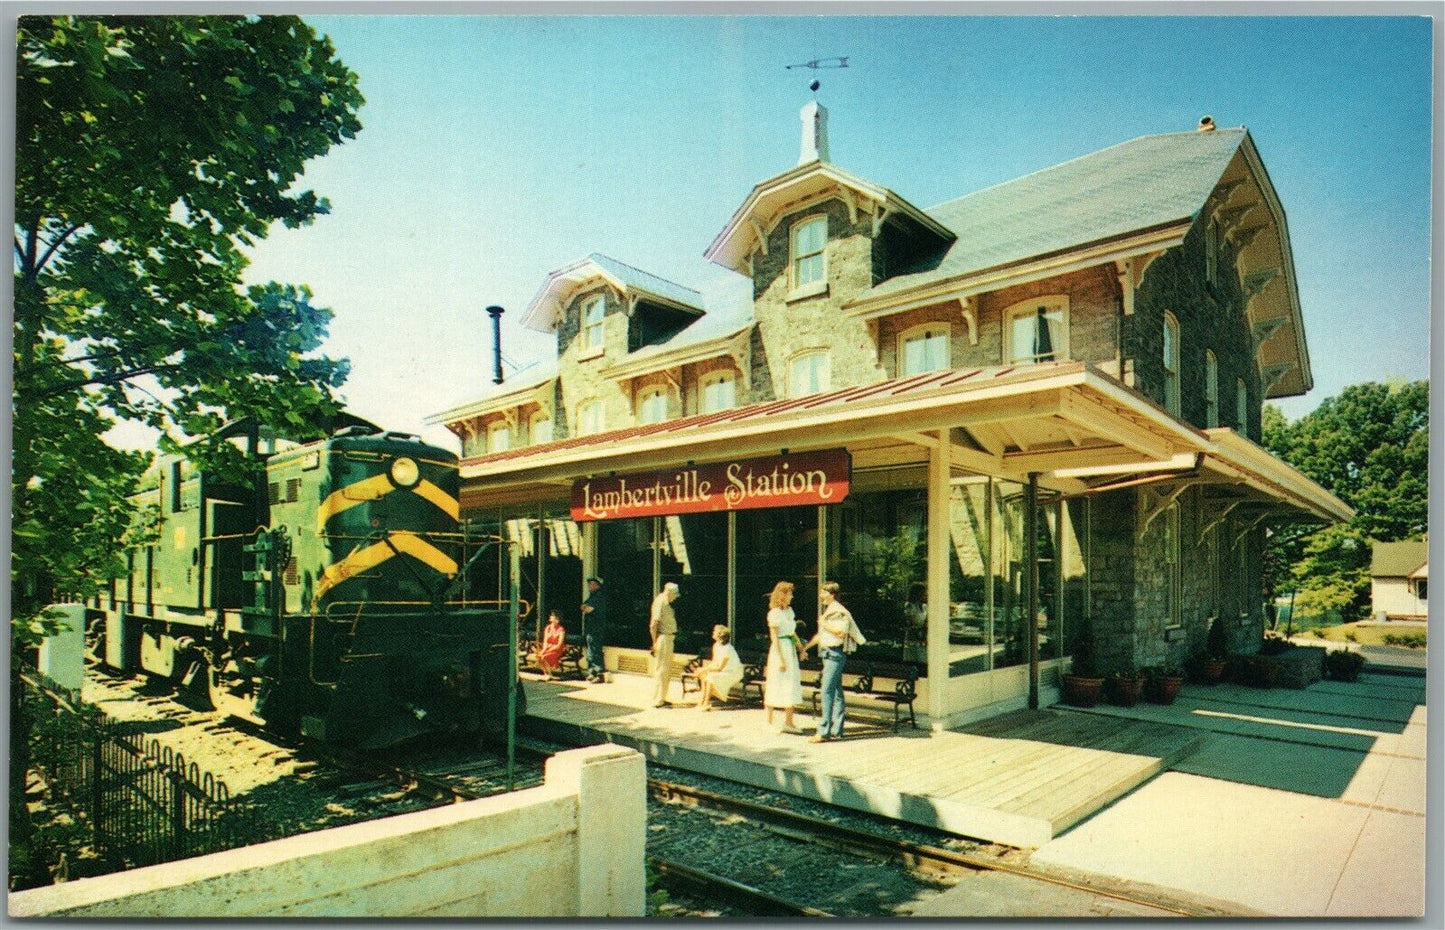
143, 802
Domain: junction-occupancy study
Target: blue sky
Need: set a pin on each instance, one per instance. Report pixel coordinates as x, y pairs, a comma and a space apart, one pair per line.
497, 148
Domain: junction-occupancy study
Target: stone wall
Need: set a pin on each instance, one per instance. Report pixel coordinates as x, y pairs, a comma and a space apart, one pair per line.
580, 373
1211, 316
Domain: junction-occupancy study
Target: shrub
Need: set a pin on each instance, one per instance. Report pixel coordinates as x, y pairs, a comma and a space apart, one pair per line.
1218, 642
1343, 665
1352, 636
1318, 632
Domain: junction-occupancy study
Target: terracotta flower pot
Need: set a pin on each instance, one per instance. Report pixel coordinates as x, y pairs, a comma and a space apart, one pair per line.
1210, 671
1164, 690
1081, 691
1125, 691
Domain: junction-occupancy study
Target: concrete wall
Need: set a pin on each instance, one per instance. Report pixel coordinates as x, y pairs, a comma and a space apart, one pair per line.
573, 847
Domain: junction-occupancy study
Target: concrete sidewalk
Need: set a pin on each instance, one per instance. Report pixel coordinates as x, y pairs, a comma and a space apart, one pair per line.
1300, 804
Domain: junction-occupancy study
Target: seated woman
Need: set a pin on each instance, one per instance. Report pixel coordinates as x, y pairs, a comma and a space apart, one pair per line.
724, 671
554, 643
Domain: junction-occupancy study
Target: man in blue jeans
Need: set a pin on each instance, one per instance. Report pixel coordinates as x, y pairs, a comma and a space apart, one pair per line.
837, 636
594, 622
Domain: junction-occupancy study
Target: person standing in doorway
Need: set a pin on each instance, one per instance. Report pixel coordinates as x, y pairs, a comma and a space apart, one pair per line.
663, 627
782, 686
594, 621
837, 636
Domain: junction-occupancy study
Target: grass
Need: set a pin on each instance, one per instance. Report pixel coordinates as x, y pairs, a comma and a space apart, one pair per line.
1364, 635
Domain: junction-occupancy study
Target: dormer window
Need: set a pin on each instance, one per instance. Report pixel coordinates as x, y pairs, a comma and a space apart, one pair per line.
1211, 389
652, 405
809, 262
924, 348
808, 373
1036, 330
719, 392
592, 313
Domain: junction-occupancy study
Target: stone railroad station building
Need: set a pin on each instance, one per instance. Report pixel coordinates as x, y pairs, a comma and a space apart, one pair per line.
991, 421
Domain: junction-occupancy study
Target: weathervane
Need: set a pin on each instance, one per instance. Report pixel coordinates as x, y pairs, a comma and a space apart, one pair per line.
816, 63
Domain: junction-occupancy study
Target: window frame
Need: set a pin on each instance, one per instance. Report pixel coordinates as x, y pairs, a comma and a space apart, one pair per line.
825, 382
589, 328
1211, 389
1211, 251
820, 284
498, 428
539, 416
1171, 363
710, 380
647, 393
1030, 307
1241, 405
582, 411
923, 331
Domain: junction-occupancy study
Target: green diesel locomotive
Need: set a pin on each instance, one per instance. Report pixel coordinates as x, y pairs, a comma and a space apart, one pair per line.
323, 599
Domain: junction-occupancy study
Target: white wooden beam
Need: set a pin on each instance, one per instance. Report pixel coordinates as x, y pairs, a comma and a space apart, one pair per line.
1124, 268
1217, 518
762, 237
1154, 500
968, 308
1099, 421
1114, 460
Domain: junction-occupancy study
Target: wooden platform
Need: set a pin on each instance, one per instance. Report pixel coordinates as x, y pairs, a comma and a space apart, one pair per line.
1019, 779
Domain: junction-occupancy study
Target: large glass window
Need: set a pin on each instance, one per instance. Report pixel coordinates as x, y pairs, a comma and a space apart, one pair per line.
969, 626
541, 427
719, 392
1241, 407
1171, 363
593, 313
693, 551
499, 437
808, 373
878, 552
808, 242
924, 349
624, 563
778, 544
1036, 330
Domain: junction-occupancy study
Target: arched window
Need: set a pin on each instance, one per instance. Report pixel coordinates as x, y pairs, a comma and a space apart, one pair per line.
1211, 389
809, 262
593, 313
1171, 363
590, 418
1241, 406
1036, 330
499, 437
652, 405
719, 392
808, 373
540, 427
924, 348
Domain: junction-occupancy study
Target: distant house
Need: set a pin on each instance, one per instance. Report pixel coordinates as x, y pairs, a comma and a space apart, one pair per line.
1398, 576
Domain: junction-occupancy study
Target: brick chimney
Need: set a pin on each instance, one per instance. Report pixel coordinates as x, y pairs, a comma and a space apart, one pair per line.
815, 133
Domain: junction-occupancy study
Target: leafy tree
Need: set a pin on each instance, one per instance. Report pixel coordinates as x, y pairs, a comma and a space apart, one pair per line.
150, 152
1368, 446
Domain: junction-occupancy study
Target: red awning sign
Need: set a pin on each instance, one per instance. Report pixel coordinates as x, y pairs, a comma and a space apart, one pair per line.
804, 478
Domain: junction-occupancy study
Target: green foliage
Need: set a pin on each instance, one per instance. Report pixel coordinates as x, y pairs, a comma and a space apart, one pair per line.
1369, 447
150, 151
1409, 640
1217, 644
1343, 665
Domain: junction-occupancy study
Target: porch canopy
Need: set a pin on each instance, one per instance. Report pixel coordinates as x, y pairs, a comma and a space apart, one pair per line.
1080, 430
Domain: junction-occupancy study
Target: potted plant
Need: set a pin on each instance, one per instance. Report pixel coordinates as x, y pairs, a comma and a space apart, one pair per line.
1082, 682
1162, 683
1125, 686
1208, 666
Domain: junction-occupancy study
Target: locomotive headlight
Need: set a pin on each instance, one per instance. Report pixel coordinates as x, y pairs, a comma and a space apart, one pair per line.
404, 472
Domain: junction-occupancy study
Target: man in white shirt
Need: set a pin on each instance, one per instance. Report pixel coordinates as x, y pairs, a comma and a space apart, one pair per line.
663, 627
837, 636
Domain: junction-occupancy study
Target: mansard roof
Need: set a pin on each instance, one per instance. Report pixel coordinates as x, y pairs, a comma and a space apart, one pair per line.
1143, 184
545, 309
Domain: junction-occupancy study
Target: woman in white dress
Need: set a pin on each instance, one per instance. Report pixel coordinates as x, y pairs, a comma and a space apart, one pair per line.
782, 686
724, 671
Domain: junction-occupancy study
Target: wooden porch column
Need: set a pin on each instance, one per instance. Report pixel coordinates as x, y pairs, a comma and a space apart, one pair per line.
938, 587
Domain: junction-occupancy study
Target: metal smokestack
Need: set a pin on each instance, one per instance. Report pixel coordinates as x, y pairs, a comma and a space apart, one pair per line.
496, 314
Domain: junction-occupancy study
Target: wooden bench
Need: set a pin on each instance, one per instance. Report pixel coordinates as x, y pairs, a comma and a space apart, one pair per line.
753, 675
900, 694
569, 666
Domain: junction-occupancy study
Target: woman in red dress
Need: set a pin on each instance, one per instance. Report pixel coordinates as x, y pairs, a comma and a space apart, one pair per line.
554, 643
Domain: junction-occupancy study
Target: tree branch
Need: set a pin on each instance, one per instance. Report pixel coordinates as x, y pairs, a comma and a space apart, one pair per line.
50, 250
117, 378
